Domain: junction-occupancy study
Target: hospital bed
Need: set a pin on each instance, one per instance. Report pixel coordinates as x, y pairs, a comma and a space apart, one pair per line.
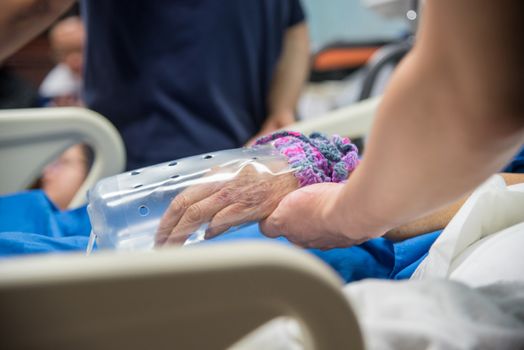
200, 297
192, 298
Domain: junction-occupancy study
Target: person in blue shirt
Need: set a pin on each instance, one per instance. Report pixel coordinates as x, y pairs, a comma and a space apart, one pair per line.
179, 78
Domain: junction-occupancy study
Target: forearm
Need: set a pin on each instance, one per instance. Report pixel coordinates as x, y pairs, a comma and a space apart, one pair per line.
440, 219
426, 224
21, 20
290, 74
416, 163
437, 135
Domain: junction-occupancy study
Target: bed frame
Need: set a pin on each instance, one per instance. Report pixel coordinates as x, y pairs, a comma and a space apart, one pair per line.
204, 297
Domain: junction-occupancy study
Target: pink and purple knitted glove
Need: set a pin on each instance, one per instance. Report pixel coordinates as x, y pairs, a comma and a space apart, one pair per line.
316, 158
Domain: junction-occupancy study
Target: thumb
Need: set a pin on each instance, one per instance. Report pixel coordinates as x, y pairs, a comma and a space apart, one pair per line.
268, 228
275, 224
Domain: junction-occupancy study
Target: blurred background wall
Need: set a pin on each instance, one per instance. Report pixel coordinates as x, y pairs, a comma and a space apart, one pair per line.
348, 20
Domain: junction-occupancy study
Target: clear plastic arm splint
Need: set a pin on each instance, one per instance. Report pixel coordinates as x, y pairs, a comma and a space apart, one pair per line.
125, 210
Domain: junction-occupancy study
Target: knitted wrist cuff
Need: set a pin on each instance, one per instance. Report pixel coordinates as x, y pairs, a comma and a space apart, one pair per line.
316, 158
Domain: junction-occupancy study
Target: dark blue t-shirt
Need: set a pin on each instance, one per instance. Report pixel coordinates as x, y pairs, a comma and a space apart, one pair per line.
183, 77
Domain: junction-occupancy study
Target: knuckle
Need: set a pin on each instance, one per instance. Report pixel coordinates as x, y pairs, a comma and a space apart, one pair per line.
194, 213
179, 203
225, 195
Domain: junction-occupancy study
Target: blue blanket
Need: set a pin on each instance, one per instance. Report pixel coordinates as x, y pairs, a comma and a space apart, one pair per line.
517, 164
30, 224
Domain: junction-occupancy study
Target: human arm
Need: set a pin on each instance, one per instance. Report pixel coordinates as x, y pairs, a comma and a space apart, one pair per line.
439, 219
288, 78
310, 202
21, 20
447, 121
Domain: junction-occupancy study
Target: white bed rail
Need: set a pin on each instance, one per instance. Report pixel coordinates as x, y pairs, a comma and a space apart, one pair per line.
202, 297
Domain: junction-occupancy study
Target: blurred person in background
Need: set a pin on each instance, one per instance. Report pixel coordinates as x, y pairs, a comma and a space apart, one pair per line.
181, 78
63, 84
61, 88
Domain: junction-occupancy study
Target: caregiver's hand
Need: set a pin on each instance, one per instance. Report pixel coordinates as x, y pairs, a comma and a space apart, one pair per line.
250, 196
308, 218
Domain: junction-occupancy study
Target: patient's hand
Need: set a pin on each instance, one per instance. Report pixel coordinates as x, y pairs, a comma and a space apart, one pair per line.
251, 195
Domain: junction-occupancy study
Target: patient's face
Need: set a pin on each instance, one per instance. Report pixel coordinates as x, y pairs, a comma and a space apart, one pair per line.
62, 178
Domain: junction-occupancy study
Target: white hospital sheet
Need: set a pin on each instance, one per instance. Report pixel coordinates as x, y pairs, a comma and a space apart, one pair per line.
483, 244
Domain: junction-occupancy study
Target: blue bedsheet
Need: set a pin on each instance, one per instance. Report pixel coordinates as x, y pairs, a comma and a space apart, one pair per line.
30, 224
517, 164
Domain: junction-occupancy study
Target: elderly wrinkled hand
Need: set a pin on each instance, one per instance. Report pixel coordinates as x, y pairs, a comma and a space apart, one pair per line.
251, 195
